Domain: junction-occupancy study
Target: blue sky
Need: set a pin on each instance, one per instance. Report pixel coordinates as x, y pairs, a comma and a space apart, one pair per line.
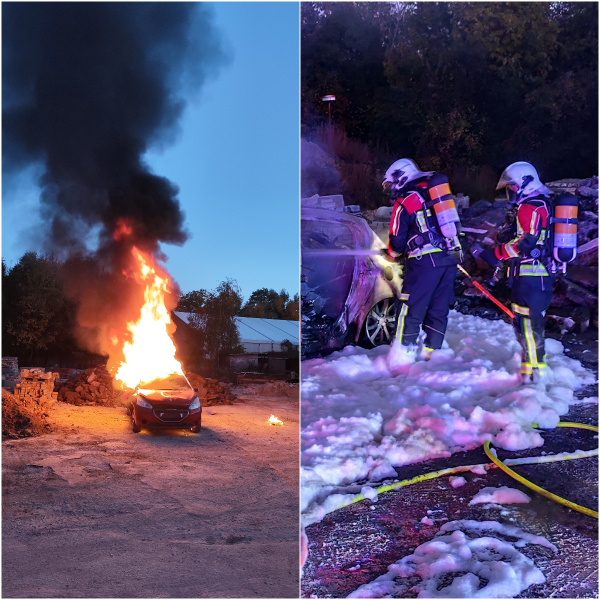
236, 163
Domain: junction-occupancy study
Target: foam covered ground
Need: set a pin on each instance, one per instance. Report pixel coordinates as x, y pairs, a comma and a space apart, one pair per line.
365, 412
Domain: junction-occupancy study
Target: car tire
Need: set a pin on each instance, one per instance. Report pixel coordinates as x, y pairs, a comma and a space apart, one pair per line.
379, 326
196, 428
134, 427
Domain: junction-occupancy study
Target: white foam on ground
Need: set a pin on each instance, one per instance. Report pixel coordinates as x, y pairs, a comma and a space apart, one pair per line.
466, 559
365, 412
500, 495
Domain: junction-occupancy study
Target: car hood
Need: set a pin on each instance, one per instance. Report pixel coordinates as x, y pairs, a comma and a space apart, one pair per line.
167, 396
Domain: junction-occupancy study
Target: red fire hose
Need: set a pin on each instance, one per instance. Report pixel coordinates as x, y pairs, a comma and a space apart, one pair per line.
488, 295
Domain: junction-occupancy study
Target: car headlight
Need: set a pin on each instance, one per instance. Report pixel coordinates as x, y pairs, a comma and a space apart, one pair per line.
195, 404
143, 403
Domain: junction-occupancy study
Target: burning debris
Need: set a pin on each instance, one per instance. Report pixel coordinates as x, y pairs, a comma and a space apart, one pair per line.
273, 420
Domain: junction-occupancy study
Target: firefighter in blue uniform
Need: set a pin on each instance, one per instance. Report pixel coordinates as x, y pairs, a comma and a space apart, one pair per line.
423, 230
529, 257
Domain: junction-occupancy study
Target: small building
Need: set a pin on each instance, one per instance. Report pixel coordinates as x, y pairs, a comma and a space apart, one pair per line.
263, 340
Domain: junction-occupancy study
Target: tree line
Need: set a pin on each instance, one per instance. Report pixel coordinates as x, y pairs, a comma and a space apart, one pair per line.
39, 318
462, 87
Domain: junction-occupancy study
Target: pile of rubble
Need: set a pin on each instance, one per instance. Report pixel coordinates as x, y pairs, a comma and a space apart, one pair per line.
36, 384
25, 411
92, 386
23, 417
211, 391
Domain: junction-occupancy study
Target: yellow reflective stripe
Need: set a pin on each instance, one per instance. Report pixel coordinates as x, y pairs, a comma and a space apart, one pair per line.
532, 226
531, 349
404, 297
520, 310
401, 316
426, 249
532, 269
421, 221
526, 368
396, 221
510, 249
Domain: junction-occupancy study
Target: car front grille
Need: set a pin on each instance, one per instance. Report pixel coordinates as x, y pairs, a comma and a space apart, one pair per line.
170, 415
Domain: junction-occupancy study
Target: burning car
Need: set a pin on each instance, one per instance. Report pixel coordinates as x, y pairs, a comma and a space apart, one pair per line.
170, 402
348, 287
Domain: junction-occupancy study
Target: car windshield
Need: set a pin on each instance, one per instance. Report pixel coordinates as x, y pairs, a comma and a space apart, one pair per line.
330, 277
175, 381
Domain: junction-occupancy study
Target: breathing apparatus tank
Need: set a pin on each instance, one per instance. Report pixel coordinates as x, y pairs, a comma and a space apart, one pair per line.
564, 229
442, 203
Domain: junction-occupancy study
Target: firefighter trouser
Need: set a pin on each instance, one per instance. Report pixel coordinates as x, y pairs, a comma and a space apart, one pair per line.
427, 293
531, 296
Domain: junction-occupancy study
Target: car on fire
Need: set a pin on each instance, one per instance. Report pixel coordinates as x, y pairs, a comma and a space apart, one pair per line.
166, 403
348, 285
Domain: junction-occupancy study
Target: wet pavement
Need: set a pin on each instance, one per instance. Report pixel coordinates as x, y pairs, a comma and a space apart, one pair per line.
354, 545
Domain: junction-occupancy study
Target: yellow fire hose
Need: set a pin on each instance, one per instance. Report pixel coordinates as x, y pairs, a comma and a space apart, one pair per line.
537, 488
502, 465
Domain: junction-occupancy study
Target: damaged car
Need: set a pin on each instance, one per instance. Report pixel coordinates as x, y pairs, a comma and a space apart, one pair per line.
166, 403
348, 284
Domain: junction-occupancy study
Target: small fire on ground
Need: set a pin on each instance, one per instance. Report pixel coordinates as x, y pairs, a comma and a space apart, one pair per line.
273, 420
150, 353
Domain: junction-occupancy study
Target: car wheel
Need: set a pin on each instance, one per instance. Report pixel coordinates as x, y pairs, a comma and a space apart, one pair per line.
135, 428
380, 324
196, 428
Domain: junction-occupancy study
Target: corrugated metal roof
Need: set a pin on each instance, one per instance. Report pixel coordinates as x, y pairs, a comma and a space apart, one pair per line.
251, 329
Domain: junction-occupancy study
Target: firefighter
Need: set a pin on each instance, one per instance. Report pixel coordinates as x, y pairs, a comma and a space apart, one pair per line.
528, 257
424, 230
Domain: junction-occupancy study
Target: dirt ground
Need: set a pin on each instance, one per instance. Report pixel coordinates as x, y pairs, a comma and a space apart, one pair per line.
94, 510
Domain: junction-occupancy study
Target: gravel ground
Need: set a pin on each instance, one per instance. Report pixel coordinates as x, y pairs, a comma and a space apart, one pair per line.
94, 510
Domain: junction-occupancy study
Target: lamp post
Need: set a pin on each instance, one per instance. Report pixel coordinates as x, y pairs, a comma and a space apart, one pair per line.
329, 99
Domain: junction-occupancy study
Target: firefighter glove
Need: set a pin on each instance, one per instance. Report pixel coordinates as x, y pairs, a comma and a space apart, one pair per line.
490, 258
476, 250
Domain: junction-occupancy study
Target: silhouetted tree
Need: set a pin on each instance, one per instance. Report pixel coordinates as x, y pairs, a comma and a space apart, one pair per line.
268, 304
36, 315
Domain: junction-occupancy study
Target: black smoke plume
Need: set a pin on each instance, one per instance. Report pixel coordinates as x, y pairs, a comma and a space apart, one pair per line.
87, 89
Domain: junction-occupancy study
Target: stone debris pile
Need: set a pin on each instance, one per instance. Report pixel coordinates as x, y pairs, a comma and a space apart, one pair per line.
36, 383
24, 416
211, 391
92, 386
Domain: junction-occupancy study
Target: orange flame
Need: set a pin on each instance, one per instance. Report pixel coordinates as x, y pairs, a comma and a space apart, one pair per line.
273, 420
151, 352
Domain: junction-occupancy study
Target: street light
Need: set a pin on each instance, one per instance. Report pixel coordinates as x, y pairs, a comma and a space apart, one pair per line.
329, 99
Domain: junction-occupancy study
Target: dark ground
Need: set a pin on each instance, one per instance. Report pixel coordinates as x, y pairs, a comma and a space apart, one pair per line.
356, 544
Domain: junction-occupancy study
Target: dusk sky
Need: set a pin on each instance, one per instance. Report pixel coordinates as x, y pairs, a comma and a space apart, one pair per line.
235, 161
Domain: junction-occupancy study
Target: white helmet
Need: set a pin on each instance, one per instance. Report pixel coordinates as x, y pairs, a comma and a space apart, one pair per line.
522, 179
401, 172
